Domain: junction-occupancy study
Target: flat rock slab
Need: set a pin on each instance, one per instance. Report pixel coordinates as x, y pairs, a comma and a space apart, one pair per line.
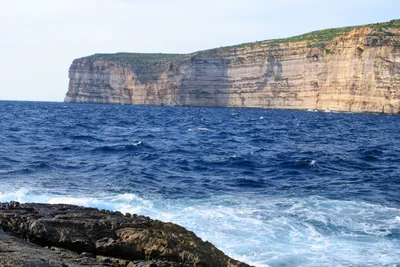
102, 238
18, 252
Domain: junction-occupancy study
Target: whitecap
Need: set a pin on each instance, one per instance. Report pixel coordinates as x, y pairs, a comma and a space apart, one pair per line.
266, 231
137, 143
198, 129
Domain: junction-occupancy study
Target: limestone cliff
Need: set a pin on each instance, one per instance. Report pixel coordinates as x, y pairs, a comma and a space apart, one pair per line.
346, 69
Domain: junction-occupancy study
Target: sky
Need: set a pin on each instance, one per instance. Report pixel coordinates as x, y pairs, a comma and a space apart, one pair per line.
39, 39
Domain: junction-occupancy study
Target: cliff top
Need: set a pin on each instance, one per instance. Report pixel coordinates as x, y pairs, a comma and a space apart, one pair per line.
147, 65
150, 58
329, 34
139, 61
314, 36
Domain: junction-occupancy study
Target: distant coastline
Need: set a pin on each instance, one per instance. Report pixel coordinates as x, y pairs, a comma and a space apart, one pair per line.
351, 69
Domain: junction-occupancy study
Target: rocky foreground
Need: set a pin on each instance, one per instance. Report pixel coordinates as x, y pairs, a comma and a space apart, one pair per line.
67, 235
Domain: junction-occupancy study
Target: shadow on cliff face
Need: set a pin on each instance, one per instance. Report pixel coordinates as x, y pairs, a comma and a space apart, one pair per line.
205, 81
273, 68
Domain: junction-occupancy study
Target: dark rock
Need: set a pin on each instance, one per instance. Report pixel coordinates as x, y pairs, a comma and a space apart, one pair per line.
112, 237
87, 254
17, 252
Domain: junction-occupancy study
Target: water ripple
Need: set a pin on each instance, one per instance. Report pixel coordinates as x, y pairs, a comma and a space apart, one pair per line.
261, 180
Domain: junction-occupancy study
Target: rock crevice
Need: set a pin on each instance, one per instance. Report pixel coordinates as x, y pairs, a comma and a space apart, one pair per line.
110, 237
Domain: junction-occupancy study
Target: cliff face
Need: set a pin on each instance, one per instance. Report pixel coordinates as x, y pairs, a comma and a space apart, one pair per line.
350, 69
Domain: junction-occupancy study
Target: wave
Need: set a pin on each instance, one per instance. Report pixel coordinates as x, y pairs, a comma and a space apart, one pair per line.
119, 148
198, 129
299, 164
123, 202
8, 159
244, 179
86, 138
18, 171
305, 231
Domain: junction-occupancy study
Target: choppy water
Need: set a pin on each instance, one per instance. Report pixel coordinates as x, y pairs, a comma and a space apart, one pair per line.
271, 188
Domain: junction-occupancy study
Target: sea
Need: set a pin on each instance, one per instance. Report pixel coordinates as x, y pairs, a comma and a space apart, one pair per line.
267, 187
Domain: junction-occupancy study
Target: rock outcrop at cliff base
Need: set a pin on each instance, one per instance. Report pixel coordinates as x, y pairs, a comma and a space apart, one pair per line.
355, 69
78, 236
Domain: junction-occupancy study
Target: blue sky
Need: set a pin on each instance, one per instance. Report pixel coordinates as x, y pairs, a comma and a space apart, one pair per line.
39, 39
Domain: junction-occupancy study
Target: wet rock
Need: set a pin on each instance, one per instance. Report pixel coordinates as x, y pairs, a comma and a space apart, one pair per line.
17, 252
112, 237
87, 254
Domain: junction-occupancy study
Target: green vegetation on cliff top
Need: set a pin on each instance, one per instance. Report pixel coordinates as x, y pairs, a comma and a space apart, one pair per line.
330, 34
326, 35
141, 59
161, 60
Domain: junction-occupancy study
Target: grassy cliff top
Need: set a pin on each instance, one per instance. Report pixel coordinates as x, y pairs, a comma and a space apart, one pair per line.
159, 60
327, 35
140, 59
330, 34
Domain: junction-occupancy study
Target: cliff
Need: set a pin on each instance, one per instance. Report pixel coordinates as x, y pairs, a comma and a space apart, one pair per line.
68, 235
353, 69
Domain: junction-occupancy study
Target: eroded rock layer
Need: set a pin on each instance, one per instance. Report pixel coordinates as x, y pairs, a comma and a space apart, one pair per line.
78, 236
353, 69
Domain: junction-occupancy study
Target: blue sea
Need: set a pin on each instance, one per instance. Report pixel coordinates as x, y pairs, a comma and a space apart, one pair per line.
268, 187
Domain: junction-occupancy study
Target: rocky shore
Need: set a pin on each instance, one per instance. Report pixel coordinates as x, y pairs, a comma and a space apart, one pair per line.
34, 234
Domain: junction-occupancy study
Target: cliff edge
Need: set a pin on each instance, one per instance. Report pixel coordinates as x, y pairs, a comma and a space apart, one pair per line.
354, 69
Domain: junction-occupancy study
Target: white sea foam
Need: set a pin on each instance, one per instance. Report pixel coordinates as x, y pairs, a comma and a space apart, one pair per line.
19, 195
137, 143
199, 129
309, 231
